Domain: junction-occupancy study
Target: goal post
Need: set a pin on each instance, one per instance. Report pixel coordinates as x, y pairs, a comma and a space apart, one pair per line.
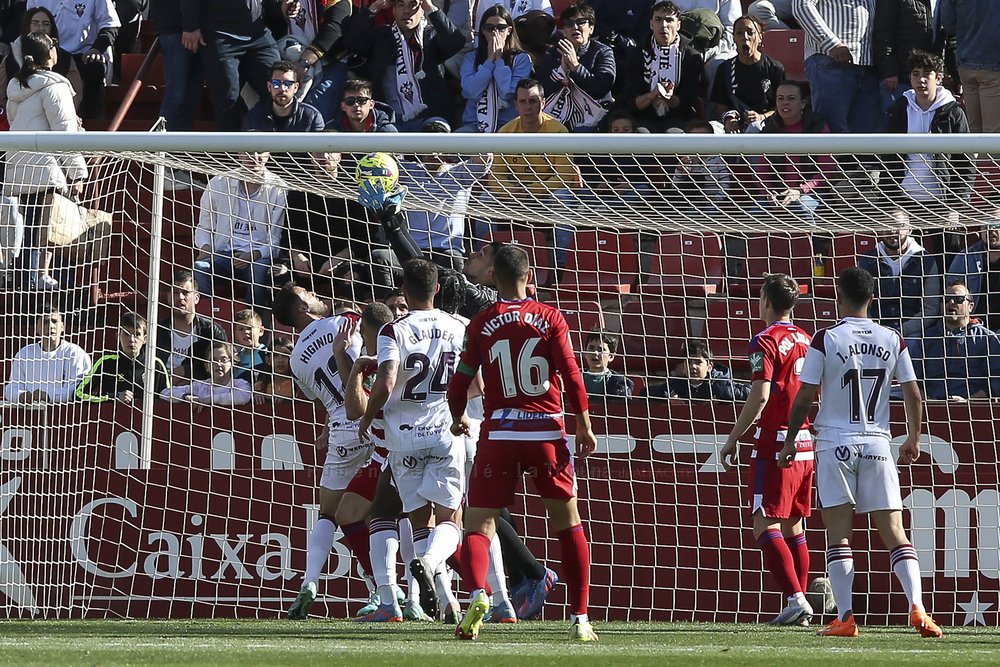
148, 508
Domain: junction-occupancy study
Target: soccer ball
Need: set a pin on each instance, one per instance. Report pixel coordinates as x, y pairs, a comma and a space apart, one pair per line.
380, 169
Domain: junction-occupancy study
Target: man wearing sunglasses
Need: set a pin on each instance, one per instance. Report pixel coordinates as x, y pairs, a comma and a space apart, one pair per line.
979, 267
282, 112
360, 112
958, 358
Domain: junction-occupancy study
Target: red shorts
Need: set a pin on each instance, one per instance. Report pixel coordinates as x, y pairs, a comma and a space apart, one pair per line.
780, 493
365, 481
501, 462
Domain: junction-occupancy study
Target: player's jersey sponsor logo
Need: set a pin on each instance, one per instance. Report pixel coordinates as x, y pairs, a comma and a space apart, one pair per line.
756, 361
343, 451
409, 461
405, 427
842, 453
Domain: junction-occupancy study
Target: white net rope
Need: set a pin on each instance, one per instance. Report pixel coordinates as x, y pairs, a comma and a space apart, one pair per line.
210, 515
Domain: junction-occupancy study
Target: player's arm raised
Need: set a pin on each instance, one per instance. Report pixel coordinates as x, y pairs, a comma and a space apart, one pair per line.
342, 347
800, 410
355, 397
385, 381
565, 362
760, 392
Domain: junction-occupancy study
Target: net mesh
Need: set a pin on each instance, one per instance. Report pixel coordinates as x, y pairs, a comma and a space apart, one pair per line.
213, 517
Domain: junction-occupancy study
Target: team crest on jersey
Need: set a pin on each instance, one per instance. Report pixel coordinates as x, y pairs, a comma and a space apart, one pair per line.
80, 9
757, 361
842, 453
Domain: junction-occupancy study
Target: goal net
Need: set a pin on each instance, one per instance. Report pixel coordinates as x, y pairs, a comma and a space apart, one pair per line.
115, 502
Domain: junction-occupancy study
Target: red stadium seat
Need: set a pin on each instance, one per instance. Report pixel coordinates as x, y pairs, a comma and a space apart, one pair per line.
788, 48
730, 325
686, 265
581, 316
598, 262
815, 314
773, 253
652, 333
535, 245
844, 254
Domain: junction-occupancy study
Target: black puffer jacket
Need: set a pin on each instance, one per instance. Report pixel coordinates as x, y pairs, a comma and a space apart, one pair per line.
902, 25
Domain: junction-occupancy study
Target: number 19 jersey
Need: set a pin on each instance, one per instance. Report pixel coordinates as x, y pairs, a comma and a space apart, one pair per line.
856, 361
426, 344
315, 367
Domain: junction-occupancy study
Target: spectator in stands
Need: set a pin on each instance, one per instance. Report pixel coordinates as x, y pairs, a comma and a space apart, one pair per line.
396, 301
49, 370
407, 59
577, 74
122, 375
941, 182
978, 267
39, 19
746, 86
515, 8
39, 100
490, 73
842, 74
525, 178
899, 27
183, 71
319, 25
184, 334
237, 49
977, 52
221, 387
448, 181
88, 30
360, 112
248, 350
278, 384
281, 112
957, 358
239, 228
663, 76
702, 181
790, 182
907, 279
728, 12
700, 379
600, 381
619, 181
773, 14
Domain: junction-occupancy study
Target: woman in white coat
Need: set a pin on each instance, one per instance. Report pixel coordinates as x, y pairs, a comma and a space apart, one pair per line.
40, 100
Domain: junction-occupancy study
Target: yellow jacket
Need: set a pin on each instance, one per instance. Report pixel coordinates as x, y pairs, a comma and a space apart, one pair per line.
539, 174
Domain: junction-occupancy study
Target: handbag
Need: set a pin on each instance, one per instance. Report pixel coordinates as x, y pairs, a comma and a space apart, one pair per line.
84, 232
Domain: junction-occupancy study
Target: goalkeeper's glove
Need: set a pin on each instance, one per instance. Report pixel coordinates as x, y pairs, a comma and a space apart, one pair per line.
385, 204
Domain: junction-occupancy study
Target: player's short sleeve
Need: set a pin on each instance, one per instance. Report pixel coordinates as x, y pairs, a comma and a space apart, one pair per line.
388, 346
470, 354
762, 354
904, 365
812, 367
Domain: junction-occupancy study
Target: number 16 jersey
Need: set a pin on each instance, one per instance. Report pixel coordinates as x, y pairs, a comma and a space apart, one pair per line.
856, 361
426, 344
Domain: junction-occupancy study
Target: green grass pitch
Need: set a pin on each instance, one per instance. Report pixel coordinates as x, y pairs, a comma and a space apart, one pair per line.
327, 643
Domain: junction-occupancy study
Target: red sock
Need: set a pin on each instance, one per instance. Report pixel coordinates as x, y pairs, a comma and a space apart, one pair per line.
800, 555
576, 567
779, 561
356, 537
475, 559
455, 561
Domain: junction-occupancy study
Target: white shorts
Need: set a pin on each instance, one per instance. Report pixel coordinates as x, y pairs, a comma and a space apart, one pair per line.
433, 475
471, 446
345, 456
857, 469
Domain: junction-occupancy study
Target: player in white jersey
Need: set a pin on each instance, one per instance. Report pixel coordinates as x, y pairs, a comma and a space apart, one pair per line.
417, 356
856, 361
316, 372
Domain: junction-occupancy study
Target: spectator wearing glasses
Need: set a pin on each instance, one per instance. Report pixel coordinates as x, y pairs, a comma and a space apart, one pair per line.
490, 73
407, 58
978, 266
360, 112
39, 19
958, 358
282, 112
578, 73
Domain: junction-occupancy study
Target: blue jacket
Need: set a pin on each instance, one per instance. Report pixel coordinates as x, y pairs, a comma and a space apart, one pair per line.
902, 297
304, 118
957, 363
970, 266
974, 24
595, 74
382, 119
602, 385
475, 80
720, 387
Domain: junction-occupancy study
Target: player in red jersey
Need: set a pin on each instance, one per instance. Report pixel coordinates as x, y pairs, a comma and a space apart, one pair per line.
780, 497
524, 350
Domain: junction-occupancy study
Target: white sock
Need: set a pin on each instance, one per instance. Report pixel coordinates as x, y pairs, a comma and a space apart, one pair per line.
495, 576
840, 564
383, 540
318, 548
442, 583
578, 618
442, 543
907, 569
797, 599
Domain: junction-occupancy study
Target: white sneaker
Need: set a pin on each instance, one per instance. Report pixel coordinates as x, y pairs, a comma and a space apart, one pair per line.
794, 614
